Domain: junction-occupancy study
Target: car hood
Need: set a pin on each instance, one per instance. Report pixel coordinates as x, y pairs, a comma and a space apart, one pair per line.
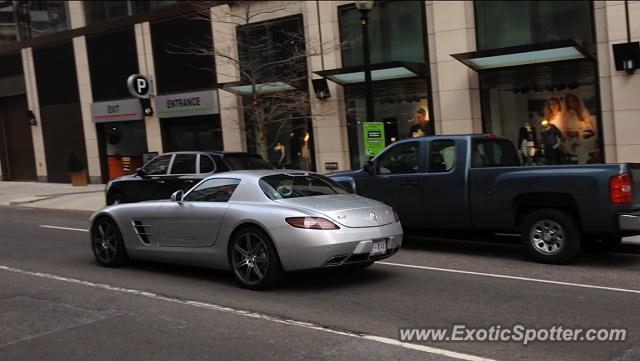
349, 210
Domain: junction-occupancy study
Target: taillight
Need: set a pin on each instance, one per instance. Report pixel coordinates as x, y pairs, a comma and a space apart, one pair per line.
396, 217
311, 223
620, 189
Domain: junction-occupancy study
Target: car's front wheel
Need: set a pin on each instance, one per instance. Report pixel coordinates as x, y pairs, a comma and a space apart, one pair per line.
551, 236
254, 259
107, 244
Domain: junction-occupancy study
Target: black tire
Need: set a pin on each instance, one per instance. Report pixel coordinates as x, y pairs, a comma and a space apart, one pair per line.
551, 236
116, 198
601, 244
254, 260
106, 243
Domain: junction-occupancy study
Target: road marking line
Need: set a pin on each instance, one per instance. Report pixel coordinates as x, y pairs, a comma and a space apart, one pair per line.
539, 280
65, 228
246, 313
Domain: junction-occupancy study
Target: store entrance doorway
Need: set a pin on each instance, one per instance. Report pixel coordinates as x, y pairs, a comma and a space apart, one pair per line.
16, 145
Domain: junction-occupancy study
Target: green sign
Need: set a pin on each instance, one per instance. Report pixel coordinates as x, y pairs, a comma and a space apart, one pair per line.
373, 138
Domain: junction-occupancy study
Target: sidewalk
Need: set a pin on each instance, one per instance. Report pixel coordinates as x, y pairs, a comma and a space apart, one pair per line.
52, 195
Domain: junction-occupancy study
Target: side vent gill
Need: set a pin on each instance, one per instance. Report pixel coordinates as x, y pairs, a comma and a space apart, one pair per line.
142, 230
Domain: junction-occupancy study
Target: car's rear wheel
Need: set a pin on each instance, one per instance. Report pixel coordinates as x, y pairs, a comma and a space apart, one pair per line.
551, 236
601, 244
116, 198
106, 243
254, 259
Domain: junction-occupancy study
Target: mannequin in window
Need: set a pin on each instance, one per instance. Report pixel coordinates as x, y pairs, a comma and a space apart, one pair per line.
581, 130
551, 140
527, 140
421, 126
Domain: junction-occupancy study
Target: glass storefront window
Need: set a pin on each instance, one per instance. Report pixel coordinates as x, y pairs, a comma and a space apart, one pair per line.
401, 105
8, 24
38, 18
102, 10
503, 23
396, 32
550, 112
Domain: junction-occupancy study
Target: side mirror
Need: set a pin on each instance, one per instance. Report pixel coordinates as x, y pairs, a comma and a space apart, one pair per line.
141, 173
369, 167
177, 196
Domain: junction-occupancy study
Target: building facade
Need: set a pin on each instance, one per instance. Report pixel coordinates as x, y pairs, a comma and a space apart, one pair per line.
286, 79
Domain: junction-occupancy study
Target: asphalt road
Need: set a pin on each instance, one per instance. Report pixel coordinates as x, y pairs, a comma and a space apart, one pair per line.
57, 304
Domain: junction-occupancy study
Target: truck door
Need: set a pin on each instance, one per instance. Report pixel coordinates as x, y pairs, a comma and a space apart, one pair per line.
395, 182
443, 186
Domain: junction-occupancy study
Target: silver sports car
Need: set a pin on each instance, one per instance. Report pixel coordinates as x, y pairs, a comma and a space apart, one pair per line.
259, 224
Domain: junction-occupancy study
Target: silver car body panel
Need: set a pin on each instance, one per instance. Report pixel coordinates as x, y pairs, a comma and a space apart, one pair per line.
198, 233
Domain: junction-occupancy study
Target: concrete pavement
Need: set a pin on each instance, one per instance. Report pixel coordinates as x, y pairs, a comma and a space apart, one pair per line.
52, 195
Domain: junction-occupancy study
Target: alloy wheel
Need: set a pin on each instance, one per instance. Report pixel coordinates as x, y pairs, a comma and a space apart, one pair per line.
547, 237
105, 241
250, 258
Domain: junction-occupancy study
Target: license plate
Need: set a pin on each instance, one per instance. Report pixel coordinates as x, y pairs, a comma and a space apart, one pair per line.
379, 247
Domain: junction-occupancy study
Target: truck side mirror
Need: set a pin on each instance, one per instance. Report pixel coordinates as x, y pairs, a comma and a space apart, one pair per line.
177, 196
369, 167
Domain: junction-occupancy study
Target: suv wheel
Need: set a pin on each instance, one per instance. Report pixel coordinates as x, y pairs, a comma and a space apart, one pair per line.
551, 236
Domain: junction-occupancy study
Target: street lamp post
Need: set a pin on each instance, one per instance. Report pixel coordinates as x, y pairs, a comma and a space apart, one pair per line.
364, 7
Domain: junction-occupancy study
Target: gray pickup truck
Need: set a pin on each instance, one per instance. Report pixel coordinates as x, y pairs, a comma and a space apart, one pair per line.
475, 184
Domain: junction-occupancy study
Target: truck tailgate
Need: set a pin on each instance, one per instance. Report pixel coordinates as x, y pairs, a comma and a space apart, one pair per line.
635, 176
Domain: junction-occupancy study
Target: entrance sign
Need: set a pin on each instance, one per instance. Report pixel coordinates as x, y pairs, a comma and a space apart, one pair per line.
187, 104
373, 133
139, 85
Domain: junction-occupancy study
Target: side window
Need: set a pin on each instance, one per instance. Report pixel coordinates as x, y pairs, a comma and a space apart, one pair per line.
158, 165
184, 164
493, 153
206, 164
213, 190
442, 156
401, 159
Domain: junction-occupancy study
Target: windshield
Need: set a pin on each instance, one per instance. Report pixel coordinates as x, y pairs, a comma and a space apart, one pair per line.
283, 186
247, 161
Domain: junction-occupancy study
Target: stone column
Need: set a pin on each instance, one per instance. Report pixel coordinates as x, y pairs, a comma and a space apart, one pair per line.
224, 42
146, 67
619, 91
456, 95
329, 119
34, 105
86, 98
76, 14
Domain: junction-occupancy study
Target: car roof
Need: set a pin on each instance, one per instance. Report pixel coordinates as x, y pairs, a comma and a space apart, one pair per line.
220, 153
258, 173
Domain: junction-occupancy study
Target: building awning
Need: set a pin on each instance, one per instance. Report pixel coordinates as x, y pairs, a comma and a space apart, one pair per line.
381, 71
244, 88
522, 55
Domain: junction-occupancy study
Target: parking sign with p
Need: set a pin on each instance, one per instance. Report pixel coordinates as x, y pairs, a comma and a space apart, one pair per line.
139, 85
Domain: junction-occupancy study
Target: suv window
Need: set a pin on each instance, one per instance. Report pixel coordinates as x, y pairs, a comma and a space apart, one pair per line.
206, 164
184, 164
401, 159
493, 153
442, 155
158, 165
247, 161
213, 190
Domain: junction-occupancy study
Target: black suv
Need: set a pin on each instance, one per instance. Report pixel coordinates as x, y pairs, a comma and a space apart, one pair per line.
170, 172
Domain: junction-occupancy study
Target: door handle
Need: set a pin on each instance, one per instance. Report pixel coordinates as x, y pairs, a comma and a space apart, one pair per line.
160, 182
408, 184
188, 181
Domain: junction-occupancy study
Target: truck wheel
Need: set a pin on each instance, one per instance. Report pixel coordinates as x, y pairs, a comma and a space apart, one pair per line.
551, 236
603, 244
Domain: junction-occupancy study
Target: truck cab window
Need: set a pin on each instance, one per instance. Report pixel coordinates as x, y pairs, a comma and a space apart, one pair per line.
401, 159
493, 153
442, 156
